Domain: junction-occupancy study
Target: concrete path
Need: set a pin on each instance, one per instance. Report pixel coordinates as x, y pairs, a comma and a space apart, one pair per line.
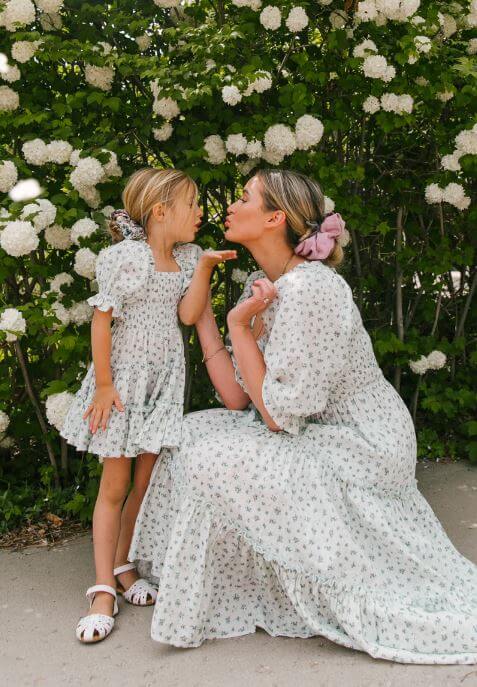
41, 597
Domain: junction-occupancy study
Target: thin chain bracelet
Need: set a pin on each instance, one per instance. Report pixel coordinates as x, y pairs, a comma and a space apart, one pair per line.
205, 360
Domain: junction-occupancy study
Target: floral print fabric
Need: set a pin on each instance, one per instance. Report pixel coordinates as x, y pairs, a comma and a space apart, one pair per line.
315, 530
147, 358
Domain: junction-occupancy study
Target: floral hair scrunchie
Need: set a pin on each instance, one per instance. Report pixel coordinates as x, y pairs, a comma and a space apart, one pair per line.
128, 227
326, 234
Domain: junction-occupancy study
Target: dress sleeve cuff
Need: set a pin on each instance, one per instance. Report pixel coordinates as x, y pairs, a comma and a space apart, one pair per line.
286, 421
104, 302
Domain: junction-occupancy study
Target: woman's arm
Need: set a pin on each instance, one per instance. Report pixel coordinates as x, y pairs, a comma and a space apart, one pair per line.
106, 395
194, 301
219, 365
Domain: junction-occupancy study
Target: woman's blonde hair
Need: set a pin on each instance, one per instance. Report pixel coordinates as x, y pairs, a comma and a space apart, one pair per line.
147, 187
301, 199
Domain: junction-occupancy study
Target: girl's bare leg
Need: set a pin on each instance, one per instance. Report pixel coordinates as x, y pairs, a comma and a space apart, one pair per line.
113, 489
142, 474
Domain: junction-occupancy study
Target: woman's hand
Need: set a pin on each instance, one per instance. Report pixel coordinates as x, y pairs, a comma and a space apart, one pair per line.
100, 409
264, 291
210, 258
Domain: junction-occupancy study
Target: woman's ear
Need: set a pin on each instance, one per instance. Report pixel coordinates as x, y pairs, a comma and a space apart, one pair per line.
277, 218
158, 212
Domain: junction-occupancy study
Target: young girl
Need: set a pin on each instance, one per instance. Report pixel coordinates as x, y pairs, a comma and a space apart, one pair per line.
130, 403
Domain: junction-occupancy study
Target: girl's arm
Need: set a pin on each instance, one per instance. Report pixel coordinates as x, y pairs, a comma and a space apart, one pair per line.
194, 301
219, 366
106, 395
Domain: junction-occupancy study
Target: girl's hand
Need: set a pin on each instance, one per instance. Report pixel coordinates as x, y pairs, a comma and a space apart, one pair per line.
100, 409
210, 258
262, 289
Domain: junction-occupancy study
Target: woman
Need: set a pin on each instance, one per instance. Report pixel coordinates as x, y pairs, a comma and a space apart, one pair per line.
302, 514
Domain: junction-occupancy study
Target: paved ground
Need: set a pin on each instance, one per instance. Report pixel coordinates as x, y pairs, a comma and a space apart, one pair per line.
41, 599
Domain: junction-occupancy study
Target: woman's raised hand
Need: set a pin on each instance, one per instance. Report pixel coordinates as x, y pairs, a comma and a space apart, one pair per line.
211, 258
100, 409
264, 291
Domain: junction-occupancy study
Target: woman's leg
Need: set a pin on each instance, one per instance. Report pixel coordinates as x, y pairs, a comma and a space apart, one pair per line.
106, 525
142, 474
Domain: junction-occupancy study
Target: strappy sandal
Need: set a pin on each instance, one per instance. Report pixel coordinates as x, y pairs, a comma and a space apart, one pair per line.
140, 593
97, 626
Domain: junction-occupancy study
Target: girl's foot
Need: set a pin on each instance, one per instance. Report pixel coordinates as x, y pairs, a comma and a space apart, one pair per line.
97, 625
135, 590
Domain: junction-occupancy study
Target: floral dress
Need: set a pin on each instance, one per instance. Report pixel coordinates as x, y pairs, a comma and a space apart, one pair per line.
147, 356
318, 529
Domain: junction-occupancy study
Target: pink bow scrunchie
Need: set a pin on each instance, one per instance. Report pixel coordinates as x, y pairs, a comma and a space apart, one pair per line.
319, 245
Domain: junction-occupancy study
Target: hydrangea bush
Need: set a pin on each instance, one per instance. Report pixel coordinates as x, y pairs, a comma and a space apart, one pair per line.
376, 99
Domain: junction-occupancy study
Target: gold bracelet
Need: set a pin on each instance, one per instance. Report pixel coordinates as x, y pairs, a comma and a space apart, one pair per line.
205, 360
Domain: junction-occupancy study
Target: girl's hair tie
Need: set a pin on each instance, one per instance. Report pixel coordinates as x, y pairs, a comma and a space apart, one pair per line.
129, 228
322, 241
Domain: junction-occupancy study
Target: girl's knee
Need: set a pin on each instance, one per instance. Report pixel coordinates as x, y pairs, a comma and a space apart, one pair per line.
114, 489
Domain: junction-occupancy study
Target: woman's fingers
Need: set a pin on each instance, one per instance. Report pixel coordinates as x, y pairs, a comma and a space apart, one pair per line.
105, 418
88, 411
118, 403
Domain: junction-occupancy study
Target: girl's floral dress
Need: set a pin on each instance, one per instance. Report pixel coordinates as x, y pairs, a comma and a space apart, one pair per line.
147, 357
315, 530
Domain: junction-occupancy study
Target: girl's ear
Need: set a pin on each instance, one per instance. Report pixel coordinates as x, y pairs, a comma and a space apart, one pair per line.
158, 212
277, 218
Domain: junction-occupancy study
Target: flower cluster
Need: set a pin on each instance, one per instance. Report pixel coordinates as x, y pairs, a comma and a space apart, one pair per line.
57, 406
8, 176
13, 323
19, 238
85, 263
379, 11
377, 67
453, 193
17, 14
434, 361
99, 77
37, 152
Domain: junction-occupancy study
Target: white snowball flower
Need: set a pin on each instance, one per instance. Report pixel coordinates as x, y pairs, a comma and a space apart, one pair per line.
254, 149
376, 67
279, 139
466, 142
423, 44
366, 11
390, 102
4, 422
49, 6
3, 63
42, 213
433, 194
273, 157
329, 205
239, 276
260, 84
25, 190
99, 77
83, 228
421, 81
436, 360
11, 74
85, 263
209, 65
297, 20
308, 132
87, 172
50, 22
231, 95
419, 367
166, 107
397, 10
364, 48
338, 19
445, 96
80, 313
111, 168
236, 144
35, 152
8, 175
61, 313
448, 24
17, 13
371, 104
472, 46
19, 238
75, 157
270, 18
22, 51
107, 210
9, 99
246, 167
59, 152
167, 4
215, 149
58, 237
91, 196
12, 322
59, 280
57, 406
451, 162
143, 42
454, 194
164, 132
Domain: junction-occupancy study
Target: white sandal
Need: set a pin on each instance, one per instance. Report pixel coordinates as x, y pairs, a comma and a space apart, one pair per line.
140, 593
97, 626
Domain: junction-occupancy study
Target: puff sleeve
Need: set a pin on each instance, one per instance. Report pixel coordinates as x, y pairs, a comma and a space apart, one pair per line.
121, 273
187, 255
308, 345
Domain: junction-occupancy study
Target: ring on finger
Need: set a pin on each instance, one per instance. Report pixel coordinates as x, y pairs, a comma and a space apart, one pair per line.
266, 300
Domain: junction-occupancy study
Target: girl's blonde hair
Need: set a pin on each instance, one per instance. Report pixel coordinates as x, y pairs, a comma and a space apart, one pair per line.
147, 187
301, 199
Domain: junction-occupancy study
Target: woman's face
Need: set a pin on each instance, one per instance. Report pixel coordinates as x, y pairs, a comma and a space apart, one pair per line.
246, 219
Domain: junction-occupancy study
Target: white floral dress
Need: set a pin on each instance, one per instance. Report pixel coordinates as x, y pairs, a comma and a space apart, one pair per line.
147, 356
315, 530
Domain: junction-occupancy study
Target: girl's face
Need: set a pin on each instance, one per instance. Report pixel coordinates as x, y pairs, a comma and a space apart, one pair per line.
246, 219
181, 221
